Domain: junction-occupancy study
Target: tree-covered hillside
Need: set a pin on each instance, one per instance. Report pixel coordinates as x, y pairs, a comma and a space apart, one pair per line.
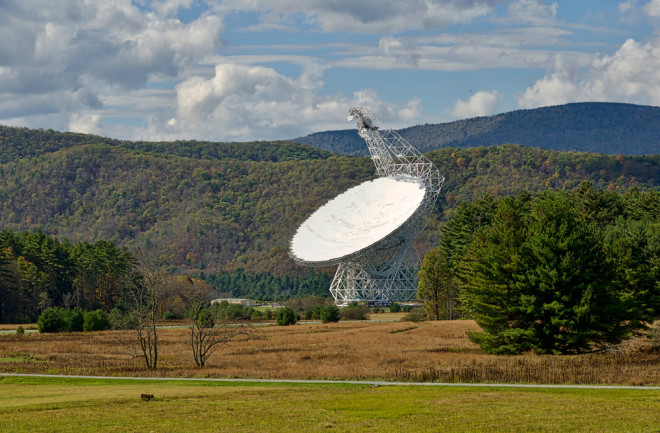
199, 213
210, 207
599, 127
28, 143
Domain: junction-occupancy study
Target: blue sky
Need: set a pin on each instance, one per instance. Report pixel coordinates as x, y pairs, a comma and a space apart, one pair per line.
238, 70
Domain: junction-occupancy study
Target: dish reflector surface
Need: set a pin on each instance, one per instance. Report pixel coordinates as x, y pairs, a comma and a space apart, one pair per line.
357, 219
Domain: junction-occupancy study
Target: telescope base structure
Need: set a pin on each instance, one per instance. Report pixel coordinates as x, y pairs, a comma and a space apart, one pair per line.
362, 282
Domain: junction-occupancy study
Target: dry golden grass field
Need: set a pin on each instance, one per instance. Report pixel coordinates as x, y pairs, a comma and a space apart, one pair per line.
395, 351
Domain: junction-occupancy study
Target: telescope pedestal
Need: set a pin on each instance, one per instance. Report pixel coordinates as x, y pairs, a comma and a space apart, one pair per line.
367, 282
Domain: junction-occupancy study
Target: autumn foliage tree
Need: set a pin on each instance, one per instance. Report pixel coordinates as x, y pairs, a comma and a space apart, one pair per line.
437, 288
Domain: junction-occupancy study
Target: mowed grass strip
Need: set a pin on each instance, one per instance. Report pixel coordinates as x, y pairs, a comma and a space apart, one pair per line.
77, 405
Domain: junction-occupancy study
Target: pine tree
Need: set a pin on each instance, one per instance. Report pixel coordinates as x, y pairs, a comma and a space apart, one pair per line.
538, 279
568, 289
633, 251
9, 289
487, 273
470, 218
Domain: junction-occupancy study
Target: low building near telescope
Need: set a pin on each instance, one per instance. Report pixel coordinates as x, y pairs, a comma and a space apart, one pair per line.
241, 301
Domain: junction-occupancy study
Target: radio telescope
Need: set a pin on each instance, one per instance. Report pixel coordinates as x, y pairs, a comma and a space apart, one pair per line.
368, 229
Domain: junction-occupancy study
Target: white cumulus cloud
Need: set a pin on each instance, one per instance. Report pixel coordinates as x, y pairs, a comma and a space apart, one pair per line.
482, 103
80, 53
626, 6
85, 123
170, 7
631, 74
652, 8
403, 53
241, 100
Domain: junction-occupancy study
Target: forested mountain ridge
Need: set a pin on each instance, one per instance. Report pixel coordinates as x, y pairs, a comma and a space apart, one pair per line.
195, 212
225, 211
600, 127
27, 143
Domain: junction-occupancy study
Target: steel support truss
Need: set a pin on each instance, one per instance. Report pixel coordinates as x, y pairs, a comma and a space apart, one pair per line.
355, 281
387, 271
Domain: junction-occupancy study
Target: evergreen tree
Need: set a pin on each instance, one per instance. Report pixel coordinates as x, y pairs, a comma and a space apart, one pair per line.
486, 275
470, 218
286, 316
53, 320
599, 207
329, 313
633, 252
10, 296
538, 279
569, 295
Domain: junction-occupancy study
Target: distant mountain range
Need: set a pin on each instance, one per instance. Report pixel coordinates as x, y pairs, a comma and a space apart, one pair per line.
598, 127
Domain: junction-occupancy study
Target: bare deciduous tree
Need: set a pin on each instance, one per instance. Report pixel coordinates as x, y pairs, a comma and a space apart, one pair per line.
146, 290
208, 331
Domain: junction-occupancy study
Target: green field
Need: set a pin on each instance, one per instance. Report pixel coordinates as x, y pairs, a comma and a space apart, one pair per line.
33, 404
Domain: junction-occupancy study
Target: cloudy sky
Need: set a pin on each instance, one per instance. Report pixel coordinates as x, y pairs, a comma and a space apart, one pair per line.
236, 70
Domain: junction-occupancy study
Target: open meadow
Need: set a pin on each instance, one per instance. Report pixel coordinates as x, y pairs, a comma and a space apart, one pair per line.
393, 351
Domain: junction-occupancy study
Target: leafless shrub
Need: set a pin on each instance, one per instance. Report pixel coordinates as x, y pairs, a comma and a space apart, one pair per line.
654, 336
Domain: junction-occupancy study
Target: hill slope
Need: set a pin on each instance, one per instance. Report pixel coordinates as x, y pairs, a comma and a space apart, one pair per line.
16, 143
608, 128
224, 210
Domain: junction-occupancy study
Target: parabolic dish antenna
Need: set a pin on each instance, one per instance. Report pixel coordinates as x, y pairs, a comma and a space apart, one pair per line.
368, 230
357, 219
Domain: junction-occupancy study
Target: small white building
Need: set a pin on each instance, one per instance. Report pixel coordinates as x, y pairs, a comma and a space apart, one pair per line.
243, 302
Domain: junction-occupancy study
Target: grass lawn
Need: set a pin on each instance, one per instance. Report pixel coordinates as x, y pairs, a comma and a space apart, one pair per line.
75, 405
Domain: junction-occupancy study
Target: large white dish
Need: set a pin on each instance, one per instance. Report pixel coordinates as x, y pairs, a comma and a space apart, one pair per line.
356, 219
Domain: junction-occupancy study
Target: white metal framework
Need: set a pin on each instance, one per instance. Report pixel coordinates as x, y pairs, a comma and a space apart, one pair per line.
385, 271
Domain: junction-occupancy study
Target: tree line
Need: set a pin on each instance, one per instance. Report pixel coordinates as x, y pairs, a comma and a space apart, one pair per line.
38, 271
562, 272
265, 286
